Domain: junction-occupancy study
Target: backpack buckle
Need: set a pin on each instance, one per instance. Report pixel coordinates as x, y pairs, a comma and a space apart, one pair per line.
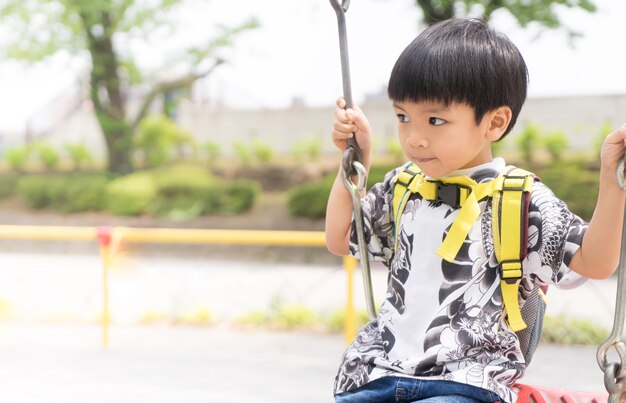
451, 194
514, 182
510, 271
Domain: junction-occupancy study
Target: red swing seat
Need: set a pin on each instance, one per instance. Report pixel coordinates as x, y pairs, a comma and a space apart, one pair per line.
541, 394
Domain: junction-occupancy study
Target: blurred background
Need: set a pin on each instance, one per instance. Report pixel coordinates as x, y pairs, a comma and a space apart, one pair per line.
176, 115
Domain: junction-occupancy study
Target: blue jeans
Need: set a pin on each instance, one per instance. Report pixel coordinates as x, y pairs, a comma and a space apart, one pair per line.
398, 389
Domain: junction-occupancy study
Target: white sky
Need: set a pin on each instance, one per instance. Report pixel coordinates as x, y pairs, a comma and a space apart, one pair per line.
295, 53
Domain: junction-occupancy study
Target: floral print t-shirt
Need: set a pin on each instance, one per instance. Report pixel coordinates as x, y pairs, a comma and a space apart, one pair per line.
445, 320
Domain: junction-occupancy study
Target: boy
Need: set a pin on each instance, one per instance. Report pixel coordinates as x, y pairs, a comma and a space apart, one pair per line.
441, 333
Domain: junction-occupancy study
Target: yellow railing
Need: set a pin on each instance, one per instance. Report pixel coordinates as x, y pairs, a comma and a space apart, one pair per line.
110, 239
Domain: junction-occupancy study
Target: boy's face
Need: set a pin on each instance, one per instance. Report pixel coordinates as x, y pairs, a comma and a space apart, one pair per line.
441, 139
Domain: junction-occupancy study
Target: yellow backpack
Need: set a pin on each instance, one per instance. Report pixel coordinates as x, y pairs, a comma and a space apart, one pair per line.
510, 195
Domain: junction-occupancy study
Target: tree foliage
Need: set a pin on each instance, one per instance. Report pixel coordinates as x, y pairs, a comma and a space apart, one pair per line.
543, 12
101, 31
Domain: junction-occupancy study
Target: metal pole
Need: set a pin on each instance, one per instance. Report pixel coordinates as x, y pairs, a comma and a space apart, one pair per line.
104, 320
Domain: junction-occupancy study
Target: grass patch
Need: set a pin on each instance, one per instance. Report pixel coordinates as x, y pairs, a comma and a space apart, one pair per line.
563, 330
298, 317
201, 316
282, 317
336, 321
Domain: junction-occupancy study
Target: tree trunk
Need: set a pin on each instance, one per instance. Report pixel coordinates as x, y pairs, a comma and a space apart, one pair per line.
118, 139
106, 94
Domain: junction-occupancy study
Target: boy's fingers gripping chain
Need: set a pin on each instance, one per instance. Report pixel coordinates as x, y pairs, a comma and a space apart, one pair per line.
621, 167
621, 174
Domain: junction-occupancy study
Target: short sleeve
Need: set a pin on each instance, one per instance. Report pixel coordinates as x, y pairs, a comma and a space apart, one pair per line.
378, 221
554, 236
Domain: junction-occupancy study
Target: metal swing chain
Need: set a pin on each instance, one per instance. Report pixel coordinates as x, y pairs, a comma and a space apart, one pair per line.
351, 162
615, 372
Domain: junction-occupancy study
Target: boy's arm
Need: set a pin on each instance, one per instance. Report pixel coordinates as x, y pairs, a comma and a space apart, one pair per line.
339, 208
598, 256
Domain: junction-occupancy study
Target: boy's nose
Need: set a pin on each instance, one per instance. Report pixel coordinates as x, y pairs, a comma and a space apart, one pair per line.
417, 140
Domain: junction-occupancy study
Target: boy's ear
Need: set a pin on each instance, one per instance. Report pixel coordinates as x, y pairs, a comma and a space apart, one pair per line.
499, 120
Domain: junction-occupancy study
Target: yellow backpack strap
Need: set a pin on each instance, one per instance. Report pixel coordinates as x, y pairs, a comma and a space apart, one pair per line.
401, 193
509, 225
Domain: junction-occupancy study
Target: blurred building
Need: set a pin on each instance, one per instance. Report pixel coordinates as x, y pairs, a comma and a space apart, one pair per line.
70, 118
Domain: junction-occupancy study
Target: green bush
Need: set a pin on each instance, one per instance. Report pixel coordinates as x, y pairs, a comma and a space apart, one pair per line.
48, 156
282, 316
559, 329
212, 150
262, 152
17, 157
8, 185
254, 318
242, 152
84, 193
377, 173
230, 197
498, 146
310, 200
395, 149
39, 192
67, 194
183, 178
180, 191
598, 139
238, 196
185, 191
556, 144
79, 154
309, 149
336, 322
573, 183
528, 142
157, 138
294, 317
130, 195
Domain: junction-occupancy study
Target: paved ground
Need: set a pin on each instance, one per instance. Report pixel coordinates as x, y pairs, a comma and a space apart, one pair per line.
64, 363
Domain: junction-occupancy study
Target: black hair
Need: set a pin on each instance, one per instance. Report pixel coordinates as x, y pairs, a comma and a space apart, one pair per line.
464, 61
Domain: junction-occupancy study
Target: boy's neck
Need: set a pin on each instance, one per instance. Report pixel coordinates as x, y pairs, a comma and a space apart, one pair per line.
496, 164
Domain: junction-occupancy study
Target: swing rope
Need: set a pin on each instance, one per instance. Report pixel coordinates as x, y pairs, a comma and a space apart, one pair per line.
351, 165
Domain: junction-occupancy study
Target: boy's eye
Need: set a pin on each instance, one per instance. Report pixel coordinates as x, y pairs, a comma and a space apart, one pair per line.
403, 118
436, 121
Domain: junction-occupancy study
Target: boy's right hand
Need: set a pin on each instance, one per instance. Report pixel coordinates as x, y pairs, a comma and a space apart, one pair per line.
349, 123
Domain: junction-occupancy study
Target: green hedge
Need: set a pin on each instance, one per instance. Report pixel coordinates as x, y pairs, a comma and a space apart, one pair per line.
179, 192
131, 194
67, 194
8, 185
573, 183
236, 196
310, 200
186, 191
